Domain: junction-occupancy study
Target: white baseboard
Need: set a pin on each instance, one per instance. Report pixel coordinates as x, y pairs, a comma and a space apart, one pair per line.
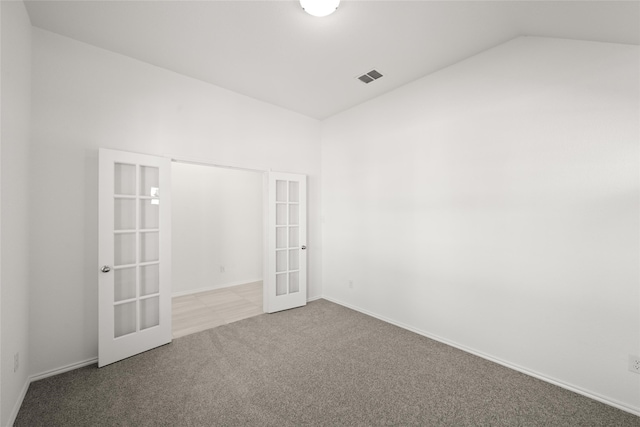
42, 375
16, 408
570, 387
314, 298
213, 288
63, 369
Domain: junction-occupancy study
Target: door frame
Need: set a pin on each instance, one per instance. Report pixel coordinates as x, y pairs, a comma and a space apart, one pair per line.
105, 155
265, 214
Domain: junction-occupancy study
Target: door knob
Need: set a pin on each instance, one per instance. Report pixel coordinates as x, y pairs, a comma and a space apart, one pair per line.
105, 269
304, 247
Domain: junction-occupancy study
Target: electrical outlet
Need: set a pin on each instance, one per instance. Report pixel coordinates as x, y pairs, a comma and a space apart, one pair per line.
350, 284
16, 362
222, 269
634, 364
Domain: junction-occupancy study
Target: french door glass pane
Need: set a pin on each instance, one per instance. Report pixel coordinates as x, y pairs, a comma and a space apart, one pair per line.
149, 179
124, 179
149, 215
293, 214
294, 234
124, 282
281, 260
281, 191
124, 245
281, 284
294, 259
281, 237
294, 282
281, 214
149, 279
293, 191
149, 246
149, 312
124, 215
124, 319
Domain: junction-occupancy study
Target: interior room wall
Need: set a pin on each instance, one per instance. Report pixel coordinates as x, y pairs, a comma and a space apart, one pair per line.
494, 205
216, 224
84, 98
16, 103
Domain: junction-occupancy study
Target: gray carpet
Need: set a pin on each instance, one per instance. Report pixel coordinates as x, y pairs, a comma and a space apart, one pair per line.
322, 364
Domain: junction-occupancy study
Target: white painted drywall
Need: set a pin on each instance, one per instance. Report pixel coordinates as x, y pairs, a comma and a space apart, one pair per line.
495, 204
84, 98
16, 105
216, 221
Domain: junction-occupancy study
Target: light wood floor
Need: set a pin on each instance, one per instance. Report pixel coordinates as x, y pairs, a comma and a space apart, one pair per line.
197, 312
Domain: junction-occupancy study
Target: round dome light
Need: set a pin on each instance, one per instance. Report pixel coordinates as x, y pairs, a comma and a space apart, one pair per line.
319, 8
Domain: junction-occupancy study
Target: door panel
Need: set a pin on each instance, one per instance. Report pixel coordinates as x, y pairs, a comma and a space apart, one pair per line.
134, 252
286, 270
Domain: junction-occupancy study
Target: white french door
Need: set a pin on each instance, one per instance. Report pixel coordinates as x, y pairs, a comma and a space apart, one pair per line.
134, 253
286, 260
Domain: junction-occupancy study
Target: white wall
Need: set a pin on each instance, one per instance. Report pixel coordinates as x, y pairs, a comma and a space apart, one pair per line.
216, 221
16, 105
84, 98
495, 205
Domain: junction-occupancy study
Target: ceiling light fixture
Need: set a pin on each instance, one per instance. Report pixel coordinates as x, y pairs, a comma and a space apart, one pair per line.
319, 8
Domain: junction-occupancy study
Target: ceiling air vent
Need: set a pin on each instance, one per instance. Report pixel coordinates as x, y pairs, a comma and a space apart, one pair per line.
370, 76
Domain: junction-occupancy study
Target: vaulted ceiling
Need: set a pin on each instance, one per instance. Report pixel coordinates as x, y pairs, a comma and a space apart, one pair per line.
275, 52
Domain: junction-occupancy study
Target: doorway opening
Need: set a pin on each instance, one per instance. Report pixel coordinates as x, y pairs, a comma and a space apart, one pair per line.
135, 247
217, 246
